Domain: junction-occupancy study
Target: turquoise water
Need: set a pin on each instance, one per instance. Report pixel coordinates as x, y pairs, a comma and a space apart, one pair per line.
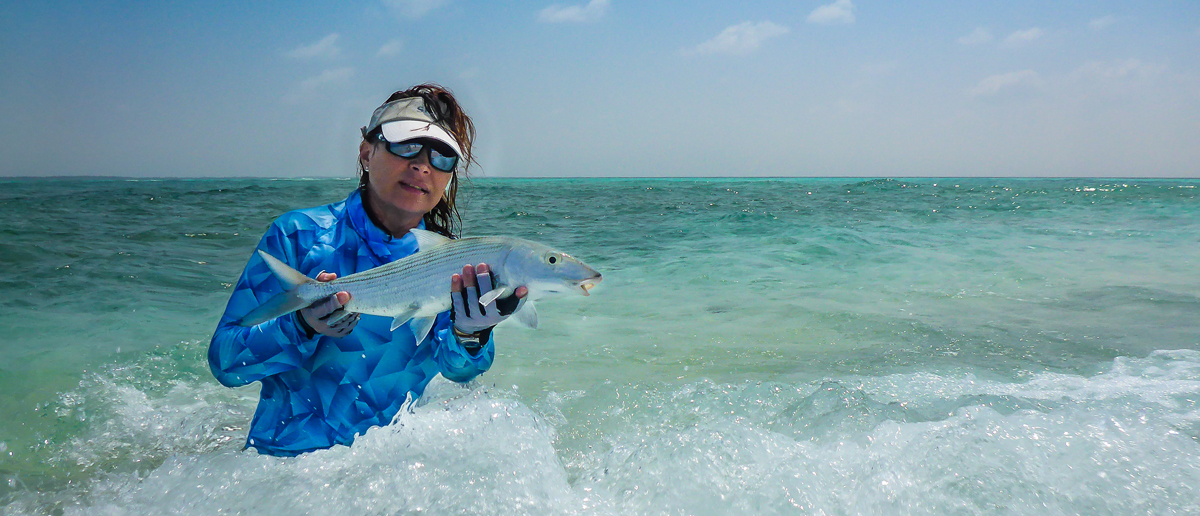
801, 346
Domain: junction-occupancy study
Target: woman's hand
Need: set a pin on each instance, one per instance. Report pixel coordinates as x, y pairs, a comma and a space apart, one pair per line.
326, 315
465, 289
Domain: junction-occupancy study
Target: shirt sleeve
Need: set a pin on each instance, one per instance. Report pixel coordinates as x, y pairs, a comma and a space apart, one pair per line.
241, 355
454, 361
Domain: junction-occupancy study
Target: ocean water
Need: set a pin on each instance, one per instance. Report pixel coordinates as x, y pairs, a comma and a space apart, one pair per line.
799, 346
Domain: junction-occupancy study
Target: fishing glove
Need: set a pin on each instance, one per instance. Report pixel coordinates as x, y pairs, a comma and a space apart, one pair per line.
327, 317
475, 321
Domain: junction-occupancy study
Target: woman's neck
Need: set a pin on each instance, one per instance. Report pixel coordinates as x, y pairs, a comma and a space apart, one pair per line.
393, 222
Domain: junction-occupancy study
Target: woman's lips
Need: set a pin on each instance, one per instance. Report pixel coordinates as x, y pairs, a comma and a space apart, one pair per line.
407, 186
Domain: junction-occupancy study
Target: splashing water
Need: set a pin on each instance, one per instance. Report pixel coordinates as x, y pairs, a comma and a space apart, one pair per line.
1025, 349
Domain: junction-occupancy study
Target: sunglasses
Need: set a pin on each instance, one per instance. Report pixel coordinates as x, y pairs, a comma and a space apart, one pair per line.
441, 157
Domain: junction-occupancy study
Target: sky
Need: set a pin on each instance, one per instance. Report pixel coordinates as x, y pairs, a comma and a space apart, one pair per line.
600, 88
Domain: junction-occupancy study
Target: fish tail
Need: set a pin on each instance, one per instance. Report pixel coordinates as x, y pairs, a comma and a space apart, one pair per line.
289, 277
283, 302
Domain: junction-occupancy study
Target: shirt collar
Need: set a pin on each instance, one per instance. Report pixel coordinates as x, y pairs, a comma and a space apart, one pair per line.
381, 244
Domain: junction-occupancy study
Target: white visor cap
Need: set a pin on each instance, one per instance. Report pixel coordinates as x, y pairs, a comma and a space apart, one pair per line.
402, 130
406, 119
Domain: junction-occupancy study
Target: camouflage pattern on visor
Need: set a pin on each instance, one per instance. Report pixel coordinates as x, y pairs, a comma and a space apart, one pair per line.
409, 118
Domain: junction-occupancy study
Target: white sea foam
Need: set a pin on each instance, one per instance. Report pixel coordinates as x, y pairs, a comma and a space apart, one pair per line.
1116, 442
1102, 447
460, 450
922, 349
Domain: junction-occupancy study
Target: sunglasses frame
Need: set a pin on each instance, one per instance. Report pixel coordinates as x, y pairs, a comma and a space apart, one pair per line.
426, 145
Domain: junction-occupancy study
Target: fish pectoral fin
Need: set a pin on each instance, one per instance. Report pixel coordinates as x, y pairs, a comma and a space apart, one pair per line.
398, 322
428, 239
526, 314
403, 317
494, 294
420, 327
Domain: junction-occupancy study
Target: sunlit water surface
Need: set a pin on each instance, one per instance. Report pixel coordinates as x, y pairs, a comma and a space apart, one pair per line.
950, 346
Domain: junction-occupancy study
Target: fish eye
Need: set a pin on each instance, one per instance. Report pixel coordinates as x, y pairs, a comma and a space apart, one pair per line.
552, 259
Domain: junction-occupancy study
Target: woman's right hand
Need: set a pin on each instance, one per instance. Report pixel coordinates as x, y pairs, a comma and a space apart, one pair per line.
326, 315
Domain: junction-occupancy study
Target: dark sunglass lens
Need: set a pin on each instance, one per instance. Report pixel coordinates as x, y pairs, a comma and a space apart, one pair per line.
440, 147
405, 150
442, 162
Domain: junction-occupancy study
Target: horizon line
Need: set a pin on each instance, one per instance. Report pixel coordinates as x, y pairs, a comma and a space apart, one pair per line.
559, 178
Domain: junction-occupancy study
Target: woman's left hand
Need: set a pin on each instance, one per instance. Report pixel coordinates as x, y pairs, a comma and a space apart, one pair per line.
465, 289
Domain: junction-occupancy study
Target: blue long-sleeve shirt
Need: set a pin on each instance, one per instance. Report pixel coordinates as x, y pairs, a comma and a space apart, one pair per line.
322, 391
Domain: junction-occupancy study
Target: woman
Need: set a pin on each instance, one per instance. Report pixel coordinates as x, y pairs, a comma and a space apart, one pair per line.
328, 375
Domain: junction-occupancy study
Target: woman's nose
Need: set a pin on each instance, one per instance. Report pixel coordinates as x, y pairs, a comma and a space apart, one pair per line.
420, 161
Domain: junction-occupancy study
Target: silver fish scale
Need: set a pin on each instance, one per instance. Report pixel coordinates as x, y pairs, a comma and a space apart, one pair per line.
422, 279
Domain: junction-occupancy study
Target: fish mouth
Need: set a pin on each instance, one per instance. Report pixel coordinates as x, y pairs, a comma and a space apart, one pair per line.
588, 284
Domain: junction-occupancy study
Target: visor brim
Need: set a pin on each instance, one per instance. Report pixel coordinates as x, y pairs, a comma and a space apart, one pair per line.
403, 130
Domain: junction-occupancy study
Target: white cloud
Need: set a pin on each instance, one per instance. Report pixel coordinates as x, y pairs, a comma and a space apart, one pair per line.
594, 10
1119, 68
841, 11
1102, 22
978, 36
413, 8
310, 86
1022, 37
330, 76
326, 48
390, 48
997, 83
740, 39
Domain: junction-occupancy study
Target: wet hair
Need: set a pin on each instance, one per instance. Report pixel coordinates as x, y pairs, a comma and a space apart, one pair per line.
445, 110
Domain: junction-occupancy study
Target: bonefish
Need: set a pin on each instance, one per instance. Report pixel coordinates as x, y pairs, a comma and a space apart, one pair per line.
417, 287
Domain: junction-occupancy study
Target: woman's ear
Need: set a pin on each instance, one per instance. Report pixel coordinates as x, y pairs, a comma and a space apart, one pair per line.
364, 153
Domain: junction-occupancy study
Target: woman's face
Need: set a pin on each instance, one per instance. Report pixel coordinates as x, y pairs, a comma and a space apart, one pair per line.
408, 187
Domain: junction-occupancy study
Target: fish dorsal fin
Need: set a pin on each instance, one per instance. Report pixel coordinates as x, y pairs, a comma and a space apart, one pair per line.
427, 240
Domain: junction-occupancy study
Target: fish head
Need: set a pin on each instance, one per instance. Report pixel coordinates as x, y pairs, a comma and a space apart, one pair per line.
547, 271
